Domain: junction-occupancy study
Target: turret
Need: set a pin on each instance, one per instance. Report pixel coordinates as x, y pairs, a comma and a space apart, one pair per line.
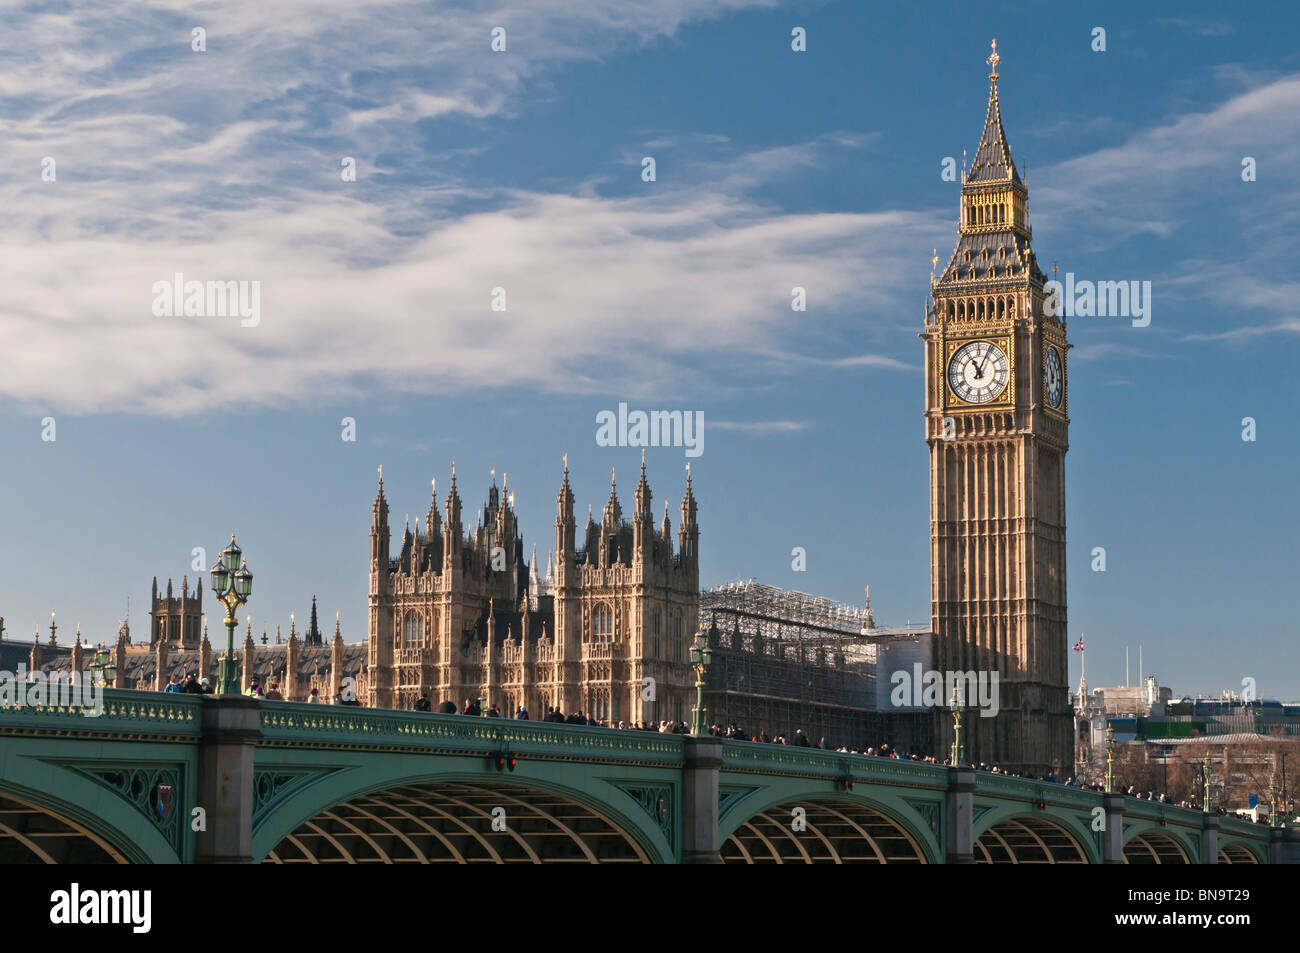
689, 533
433, 520
379, 531
564, 524
643, 518
451, 532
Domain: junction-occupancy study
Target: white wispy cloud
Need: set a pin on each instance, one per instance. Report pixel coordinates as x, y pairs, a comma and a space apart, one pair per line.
224, 165
761, 427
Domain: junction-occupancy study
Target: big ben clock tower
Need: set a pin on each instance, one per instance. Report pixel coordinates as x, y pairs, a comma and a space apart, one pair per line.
996, 425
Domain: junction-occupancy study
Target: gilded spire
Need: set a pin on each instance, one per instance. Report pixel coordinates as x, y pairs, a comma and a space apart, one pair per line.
992, 162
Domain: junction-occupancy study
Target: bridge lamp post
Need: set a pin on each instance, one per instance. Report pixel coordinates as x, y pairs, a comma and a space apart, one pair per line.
1110, 759
701, 659
1205, 770
233, 584
958, 754
102, 668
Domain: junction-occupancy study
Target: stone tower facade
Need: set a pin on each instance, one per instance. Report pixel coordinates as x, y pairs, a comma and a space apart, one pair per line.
460, 615
177, 620
996, 426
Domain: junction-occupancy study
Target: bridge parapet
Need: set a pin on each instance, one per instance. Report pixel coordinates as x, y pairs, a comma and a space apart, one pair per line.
815, 762
1148, 810
151, 716
303, 725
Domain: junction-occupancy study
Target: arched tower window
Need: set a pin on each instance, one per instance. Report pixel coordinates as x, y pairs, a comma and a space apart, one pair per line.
603, 623
413, 634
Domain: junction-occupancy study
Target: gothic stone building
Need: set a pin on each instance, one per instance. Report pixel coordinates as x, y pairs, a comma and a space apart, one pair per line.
177, 620
996, 425
458, 615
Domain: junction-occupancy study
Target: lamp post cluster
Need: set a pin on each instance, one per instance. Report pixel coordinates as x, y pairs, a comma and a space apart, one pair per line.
701, 659
102, 669
233, 584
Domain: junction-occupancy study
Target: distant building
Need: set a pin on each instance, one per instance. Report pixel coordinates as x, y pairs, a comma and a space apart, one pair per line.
177, 620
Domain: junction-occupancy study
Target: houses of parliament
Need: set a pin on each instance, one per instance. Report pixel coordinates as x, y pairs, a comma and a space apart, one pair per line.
458, 612
456, 615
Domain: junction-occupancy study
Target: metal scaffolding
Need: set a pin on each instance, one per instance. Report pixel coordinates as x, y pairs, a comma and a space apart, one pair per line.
783, 659
787, 623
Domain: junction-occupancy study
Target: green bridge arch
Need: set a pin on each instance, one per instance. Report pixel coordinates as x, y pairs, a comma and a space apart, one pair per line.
264, 771
605, 792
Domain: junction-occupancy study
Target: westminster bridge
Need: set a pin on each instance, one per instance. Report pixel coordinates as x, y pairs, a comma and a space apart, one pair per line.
165, 778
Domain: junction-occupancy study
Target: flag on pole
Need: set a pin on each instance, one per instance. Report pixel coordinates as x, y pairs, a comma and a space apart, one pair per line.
1078, 646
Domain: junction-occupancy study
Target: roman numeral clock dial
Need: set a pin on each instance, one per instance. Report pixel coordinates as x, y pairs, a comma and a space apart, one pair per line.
978, 372
1052, 378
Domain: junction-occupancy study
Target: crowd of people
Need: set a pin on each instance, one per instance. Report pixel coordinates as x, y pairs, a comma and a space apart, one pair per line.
189, 684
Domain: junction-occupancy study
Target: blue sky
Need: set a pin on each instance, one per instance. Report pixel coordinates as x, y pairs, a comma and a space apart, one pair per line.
522, 170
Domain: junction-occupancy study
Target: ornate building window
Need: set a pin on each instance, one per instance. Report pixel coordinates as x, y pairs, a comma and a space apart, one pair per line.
603, 623
656, 618
413, 634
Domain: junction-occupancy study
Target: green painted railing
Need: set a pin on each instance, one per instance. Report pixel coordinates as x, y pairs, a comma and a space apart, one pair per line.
305, 725
131, 714
1239, 828
814, 762
1149, 810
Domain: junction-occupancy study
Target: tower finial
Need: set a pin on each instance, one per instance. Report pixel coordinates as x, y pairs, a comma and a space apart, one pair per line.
381, 473
993, 61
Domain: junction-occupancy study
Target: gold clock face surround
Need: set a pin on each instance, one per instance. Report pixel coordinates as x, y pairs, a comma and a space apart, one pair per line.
978, 372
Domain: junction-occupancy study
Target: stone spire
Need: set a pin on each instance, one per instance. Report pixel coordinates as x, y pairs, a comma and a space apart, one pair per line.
688, 533
564, 524
643, 504
643, 519
452, 529
433, 520
613, 514
313, 632
379, 530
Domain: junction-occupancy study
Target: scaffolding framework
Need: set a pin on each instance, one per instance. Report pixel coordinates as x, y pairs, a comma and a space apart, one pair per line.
814, 627
784, 659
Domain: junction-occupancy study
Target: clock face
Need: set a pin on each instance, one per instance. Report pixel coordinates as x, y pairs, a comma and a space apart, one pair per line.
978, 372
1052, 377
